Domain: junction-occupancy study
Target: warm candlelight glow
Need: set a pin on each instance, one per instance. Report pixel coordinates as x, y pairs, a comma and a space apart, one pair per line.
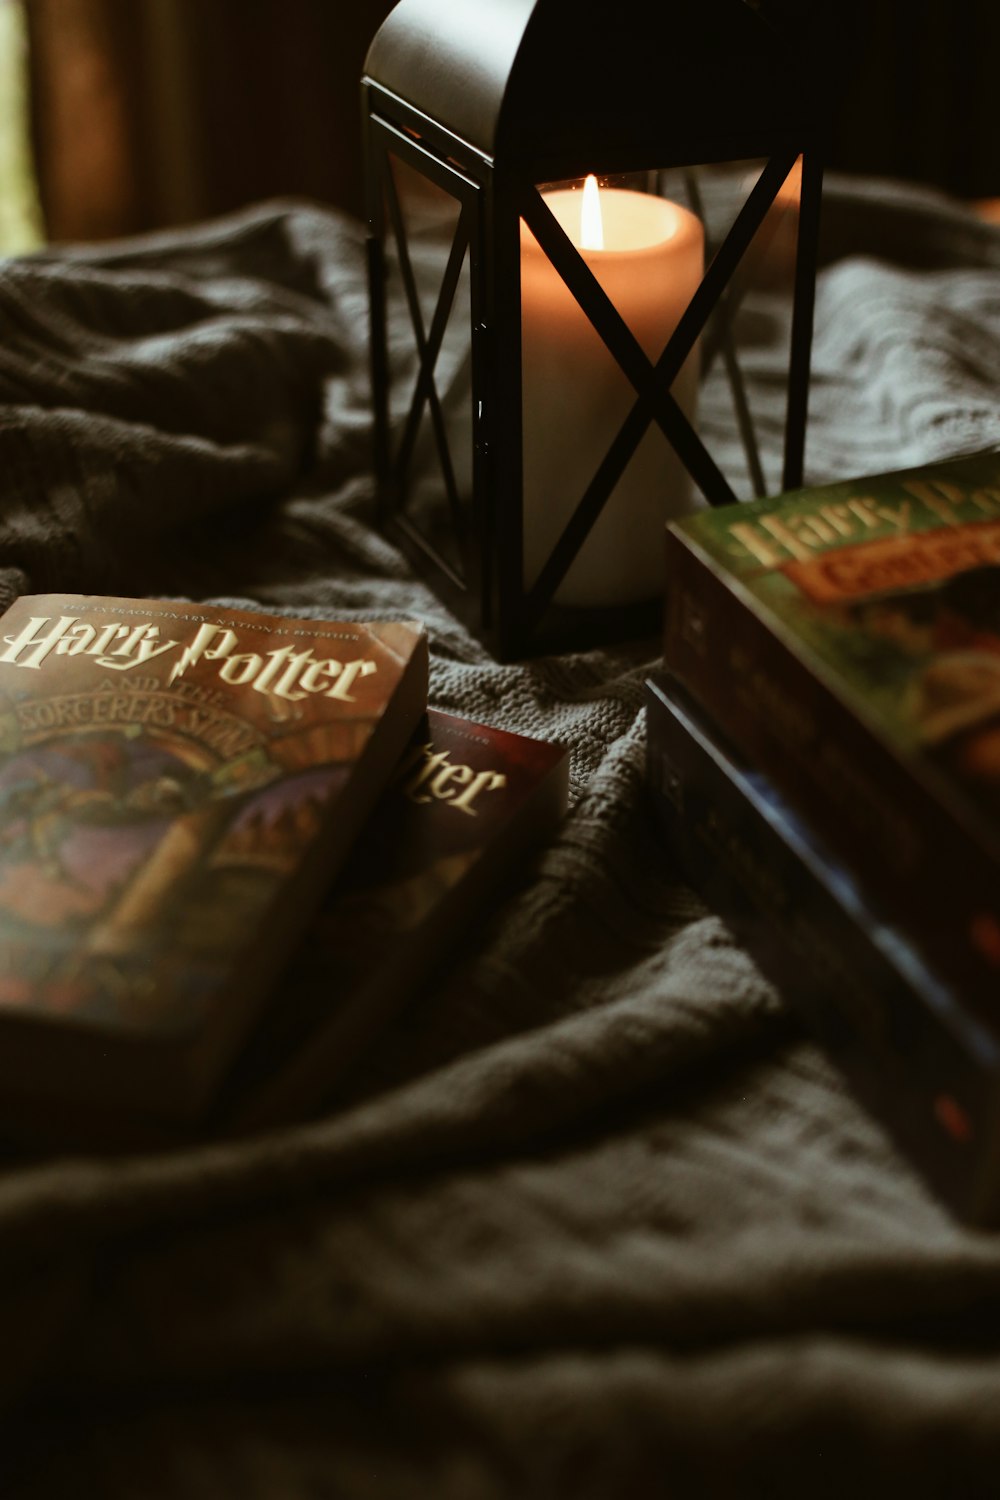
647, 255
591, 223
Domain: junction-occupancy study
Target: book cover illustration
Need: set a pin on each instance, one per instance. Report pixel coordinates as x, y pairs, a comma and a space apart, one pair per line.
167, 769
466, 802
889, 589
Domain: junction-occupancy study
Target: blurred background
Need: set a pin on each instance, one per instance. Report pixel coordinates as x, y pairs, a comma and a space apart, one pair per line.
118, 116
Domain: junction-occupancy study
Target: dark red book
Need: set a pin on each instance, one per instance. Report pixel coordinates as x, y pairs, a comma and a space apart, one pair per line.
179, 784
468, 804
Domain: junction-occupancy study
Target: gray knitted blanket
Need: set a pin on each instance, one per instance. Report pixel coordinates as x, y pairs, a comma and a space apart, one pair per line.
597, 1219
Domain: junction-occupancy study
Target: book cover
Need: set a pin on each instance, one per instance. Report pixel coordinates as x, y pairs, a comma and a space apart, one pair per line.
924, 1063
847, 638
178, 783
467, 804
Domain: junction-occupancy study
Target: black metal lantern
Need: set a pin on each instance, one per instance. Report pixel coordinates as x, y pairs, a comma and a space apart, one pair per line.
543, 402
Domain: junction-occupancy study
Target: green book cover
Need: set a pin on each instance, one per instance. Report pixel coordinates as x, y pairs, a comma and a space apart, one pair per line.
888, 588
846, 639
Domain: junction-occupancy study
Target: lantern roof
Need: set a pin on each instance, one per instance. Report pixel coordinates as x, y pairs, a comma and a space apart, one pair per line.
527, 80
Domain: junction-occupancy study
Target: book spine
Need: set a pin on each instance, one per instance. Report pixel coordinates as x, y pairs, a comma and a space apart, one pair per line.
899, 839
298, 1083
920, 1064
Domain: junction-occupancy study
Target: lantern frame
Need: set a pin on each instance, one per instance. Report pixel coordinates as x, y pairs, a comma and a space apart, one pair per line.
495, 191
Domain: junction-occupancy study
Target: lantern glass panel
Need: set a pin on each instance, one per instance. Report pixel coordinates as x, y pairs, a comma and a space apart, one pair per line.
577, 397
647, 239
746, 347
428, 323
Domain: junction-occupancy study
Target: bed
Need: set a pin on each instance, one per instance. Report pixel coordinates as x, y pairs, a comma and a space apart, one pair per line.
596, 1218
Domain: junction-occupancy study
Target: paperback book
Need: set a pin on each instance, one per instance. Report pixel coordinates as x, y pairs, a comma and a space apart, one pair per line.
918, 1057
178, 785
847, 640
466, 805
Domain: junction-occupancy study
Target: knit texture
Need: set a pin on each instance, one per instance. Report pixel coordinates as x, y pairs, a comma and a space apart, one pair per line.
596, 1219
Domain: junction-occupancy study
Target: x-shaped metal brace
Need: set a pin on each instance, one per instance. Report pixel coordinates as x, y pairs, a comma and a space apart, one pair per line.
428, 347
654, 402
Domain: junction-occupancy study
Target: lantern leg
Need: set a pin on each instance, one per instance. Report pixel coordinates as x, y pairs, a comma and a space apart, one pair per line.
378, 349
802, 318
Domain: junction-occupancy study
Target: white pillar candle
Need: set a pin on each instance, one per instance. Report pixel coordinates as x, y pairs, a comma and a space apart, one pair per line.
649, 259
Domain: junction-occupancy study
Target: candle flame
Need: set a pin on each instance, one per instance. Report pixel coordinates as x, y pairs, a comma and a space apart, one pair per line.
591, 222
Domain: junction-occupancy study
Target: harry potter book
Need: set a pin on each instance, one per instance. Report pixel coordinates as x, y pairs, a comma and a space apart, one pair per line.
466, 805
917, 1056
178, 785
847, 640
